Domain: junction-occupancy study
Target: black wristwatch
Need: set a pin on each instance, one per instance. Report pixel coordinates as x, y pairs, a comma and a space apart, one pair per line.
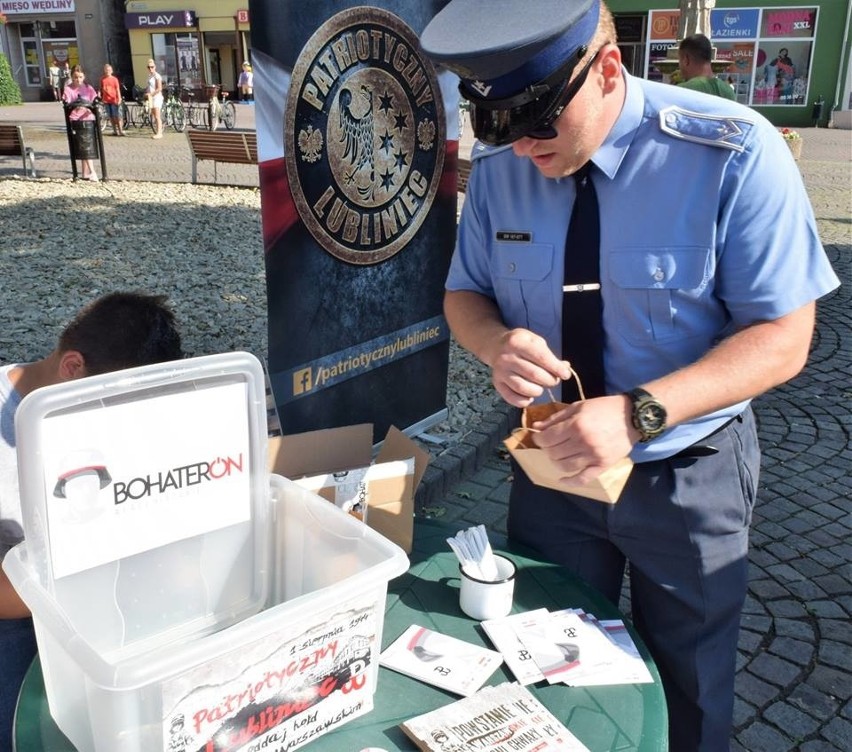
649, 415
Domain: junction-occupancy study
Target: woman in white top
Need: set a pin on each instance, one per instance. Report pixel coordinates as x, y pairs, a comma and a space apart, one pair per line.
155, 95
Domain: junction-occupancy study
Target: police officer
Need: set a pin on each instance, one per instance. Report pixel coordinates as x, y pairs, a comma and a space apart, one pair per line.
708, 273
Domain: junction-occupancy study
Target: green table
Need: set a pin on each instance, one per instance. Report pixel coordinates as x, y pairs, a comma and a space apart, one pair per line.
622, 717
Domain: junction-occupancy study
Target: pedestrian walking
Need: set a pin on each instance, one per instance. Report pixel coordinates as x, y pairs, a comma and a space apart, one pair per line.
64, 76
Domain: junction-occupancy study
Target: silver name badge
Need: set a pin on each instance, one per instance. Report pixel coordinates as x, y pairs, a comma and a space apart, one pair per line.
514, 237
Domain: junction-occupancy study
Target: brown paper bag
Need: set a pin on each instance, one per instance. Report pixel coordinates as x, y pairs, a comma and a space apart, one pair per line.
542, 471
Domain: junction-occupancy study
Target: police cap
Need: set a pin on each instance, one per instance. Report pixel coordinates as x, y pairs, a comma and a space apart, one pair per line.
500, 47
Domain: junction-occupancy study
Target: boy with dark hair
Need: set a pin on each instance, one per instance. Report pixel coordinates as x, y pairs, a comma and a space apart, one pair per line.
119, 330
122, 330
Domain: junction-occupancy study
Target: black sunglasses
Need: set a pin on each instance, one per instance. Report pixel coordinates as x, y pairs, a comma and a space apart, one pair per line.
532, 112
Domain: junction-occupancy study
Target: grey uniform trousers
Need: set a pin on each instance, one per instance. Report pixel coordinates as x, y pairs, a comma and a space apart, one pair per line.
682, 524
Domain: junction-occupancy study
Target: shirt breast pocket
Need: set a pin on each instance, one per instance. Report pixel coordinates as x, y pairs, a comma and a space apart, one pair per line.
660, 292
523, 285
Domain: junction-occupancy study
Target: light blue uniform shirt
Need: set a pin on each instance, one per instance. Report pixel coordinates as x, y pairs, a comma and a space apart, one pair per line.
705, 228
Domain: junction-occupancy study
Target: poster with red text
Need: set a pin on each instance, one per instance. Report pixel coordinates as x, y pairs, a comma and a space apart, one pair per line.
281, 691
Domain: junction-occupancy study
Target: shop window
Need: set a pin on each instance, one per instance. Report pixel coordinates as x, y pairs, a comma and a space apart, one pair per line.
32, 68
178, 59
769, 50
630, 29
60, 51
631, 41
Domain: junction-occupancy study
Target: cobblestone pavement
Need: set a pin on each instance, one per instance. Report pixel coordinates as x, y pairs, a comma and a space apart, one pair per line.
795, 651
135, 157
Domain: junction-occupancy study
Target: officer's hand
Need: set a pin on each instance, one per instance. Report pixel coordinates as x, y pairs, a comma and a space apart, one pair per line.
588, 436
524, 367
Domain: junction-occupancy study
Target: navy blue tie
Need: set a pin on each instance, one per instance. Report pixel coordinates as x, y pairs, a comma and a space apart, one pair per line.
582, 307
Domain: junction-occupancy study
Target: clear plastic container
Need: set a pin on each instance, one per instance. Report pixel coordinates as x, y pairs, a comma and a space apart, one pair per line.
145, 500
329, 587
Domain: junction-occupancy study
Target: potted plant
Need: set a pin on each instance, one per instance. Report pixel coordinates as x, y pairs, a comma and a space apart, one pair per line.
793, 141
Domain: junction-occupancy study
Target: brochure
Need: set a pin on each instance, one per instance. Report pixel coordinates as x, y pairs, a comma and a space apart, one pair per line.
505, 718
443, 661
573, 647
502, 634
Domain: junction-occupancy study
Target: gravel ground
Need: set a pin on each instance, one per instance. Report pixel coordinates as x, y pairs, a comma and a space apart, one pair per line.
64, 243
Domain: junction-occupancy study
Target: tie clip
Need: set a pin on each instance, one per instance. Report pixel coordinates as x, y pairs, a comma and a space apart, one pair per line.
581, 288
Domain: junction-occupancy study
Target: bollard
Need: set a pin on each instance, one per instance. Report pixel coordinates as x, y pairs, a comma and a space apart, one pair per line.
816, 113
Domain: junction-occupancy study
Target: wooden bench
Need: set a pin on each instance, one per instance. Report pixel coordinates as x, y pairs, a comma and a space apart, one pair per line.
12, 145
236, 147
463, 174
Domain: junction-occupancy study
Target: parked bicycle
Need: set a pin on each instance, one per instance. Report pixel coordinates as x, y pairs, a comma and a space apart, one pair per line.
195, 112
103, 115
139, 110
172, 113
223, 111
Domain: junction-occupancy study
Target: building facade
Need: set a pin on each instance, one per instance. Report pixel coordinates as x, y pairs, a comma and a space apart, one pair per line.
194, 43
785, 55
39, 32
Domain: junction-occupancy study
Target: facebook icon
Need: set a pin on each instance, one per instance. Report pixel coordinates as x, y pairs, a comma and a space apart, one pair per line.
302, 381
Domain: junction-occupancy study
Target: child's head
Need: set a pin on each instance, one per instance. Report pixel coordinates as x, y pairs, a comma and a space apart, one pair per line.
107, 70
123, 330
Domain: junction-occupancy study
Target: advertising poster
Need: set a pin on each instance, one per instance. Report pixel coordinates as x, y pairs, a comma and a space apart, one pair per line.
782, 72
358, 198
769, 50
57, 52
789, 22
281, 692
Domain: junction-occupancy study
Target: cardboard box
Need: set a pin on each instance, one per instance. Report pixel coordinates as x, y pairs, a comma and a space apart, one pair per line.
390, 497
543, 471
351, 490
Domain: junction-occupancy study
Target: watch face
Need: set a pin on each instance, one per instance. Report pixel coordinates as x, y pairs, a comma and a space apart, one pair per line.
652, 416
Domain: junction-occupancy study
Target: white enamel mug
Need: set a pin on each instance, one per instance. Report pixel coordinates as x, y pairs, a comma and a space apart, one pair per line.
481, 599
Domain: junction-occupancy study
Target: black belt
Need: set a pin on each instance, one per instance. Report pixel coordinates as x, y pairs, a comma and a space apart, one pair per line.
701, 448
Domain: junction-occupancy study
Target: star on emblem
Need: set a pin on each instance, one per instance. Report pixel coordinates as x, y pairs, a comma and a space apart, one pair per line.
480, 87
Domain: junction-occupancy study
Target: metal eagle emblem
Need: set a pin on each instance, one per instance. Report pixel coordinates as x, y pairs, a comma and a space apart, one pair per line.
364, 135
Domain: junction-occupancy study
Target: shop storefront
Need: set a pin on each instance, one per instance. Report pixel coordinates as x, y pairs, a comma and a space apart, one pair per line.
205, 44
36, 36
39, 33
783, 56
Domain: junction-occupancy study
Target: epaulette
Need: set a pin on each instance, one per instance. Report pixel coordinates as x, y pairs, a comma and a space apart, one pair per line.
726, 131
480, 150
